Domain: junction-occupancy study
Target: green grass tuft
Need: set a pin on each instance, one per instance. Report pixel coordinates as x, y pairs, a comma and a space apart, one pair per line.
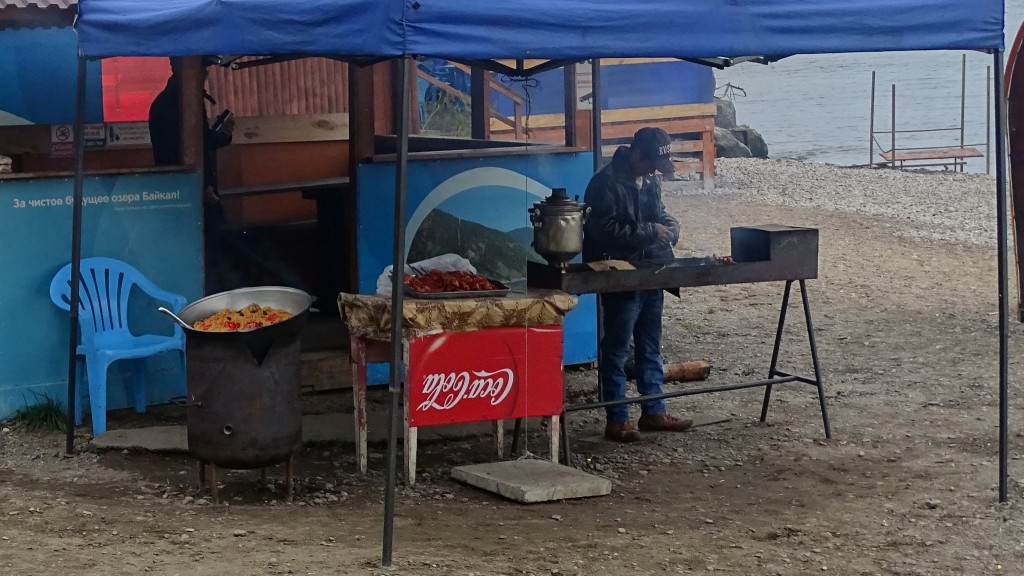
47, 415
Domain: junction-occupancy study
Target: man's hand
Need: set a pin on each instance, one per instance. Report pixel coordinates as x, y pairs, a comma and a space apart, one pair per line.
665, 235
724, 259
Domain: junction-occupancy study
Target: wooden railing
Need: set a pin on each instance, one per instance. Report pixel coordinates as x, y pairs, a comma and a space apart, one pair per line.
518, 102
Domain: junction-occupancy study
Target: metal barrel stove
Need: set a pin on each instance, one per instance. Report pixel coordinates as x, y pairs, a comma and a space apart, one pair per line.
243, 388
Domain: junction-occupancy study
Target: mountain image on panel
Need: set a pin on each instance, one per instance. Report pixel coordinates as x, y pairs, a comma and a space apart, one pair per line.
497, 255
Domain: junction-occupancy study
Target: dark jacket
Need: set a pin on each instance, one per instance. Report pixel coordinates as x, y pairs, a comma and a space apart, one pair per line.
622, 217
165, 134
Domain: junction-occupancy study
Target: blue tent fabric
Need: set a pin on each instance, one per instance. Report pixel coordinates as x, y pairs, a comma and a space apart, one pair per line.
240, 27
570, 29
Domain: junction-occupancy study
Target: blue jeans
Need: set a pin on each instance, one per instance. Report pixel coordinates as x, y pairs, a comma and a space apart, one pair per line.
637, 314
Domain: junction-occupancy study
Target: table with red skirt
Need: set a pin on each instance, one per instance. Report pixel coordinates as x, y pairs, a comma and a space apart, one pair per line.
467, 360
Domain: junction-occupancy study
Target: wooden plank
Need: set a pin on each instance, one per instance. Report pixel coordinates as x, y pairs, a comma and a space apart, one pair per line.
627, 61
339, 183
675, 126
276, 129
648, 114
932, 154
687, 146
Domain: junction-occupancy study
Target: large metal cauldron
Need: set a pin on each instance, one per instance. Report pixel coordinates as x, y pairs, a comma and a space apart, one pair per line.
243, 405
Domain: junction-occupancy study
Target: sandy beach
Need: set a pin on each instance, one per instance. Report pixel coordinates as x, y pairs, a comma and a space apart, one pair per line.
904, 311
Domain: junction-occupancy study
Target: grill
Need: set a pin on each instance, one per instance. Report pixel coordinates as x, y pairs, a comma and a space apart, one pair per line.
761, 254
243, 407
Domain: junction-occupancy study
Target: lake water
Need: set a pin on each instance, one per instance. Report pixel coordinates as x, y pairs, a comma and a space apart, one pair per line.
818, 108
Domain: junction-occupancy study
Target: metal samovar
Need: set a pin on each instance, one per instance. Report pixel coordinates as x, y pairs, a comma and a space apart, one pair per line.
558, 227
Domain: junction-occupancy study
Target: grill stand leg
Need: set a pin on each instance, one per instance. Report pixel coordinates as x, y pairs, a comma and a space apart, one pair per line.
773, 367
202, 476
775, 350
814, 358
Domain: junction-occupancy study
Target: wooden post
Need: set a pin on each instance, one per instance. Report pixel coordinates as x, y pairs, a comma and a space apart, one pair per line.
480, 95
193, 78
367, 87
570, 105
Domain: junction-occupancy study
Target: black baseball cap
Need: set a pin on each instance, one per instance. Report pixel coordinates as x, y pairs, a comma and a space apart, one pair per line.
656, 145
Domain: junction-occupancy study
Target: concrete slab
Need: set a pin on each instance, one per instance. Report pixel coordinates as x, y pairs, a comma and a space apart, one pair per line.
155, 439
531, 480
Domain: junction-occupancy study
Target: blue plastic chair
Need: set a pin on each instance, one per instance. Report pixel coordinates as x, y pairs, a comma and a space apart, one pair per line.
105, 337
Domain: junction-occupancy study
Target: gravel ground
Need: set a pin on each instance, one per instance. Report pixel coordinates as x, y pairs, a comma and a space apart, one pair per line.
931, 204
904, 320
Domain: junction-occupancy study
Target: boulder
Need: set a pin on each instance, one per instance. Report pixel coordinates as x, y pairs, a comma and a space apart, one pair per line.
752, 140
725, 113
727, 146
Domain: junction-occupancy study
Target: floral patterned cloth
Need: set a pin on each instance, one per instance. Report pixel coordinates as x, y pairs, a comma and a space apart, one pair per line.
369, 316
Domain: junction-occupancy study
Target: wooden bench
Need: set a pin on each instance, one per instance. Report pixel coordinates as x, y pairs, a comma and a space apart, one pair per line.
618, 126
953, 156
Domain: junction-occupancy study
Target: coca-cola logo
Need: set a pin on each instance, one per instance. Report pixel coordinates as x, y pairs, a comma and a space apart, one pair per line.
444, 391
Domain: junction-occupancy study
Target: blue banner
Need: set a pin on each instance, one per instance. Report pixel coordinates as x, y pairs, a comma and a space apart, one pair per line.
151, 221
477, 208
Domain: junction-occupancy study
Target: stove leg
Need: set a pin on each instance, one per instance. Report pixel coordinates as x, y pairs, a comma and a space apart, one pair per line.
775, 350
214, 485
202, 476
814, 359
515, 436
289, 480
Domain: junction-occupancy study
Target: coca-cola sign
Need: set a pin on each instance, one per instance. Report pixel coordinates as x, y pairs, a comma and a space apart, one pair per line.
491, 374
445, 391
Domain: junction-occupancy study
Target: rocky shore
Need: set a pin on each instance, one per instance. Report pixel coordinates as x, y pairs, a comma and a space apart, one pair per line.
937, 205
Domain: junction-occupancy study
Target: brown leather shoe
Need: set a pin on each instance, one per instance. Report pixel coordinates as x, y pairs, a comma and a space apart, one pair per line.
663, 423
621, 432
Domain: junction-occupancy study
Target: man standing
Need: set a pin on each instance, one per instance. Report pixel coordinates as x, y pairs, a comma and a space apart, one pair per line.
165, 134
628, 221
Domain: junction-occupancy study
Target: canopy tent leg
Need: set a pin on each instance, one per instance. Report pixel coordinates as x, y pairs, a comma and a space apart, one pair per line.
397, 297
76, 253
1002, 242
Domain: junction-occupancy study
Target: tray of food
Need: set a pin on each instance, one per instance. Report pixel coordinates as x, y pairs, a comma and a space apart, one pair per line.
438, 284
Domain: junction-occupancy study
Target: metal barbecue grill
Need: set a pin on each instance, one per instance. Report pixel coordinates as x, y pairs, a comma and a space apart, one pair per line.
770, 253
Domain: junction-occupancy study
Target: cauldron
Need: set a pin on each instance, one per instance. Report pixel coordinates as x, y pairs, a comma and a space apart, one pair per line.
243, 408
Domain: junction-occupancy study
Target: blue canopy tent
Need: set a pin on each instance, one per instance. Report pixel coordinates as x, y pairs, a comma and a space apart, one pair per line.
713, 31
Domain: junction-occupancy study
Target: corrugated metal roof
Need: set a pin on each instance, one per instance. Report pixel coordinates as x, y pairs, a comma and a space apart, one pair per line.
37, 13
296, 87
62, 4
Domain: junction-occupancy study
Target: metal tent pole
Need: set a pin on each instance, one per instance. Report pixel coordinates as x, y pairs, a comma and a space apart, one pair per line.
397, 275
595, 112
871, 124
1001, 231
76, 252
